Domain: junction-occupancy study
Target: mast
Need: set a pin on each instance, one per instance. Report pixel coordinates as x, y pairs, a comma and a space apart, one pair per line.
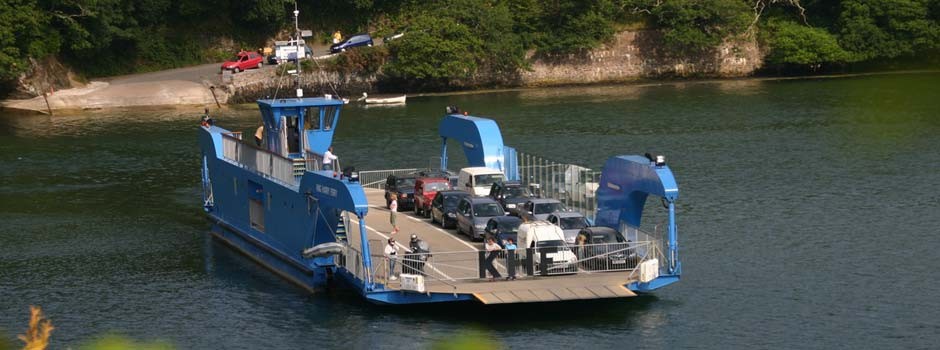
300, 92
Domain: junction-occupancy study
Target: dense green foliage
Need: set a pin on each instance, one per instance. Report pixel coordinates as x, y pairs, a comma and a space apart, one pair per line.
450, 42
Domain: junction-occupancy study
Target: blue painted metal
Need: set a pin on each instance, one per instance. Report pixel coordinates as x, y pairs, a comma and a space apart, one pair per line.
650, 286
295, 217
626, 182
321, 114
480, 138
511, 159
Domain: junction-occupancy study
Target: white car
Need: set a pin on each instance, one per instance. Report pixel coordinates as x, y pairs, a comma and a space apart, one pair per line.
543, 235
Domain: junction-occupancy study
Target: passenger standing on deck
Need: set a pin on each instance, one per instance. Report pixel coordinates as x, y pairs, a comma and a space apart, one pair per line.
328, 159
393, 211
259, 134
391, 253
492, 251
510, 259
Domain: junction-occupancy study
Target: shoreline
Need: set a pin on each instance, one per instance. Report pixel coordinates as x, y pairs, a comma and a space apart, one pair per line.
178, 94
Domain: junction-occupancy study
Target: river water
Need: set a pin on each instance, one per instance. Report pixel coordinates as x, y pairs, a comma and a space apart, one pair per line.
808, 217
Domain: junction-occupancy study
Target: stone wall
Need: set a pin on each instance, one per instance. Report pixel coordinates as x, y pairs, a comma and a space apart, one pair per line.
634, 55
251, 85
629, 56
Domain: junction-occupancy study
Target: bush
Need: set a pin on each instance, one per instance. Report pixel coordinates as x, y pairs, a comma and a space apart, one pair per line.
796, 44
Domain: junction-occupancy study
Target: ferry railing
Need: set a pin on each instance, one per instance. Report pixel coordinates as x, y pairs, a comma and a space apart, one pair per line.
606, 257
259, 160
571, 184
376, 178
352, 262
456, 266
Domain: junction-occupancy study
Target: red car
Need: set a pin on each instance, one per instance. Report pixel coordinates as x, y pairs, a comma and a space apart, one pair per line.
425, 189
242, 61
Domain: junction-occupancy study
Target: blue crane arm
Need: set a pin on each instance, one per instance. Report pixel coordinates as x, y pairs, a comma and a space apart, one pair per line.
480, 138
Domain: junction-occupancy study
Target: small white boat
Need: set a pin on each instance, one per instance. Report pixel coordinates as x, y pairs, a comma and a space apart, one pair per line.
384, 99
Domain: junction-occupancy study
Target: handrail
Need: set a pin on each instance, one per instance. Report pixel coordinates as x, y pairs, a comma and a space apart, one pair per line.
260, 160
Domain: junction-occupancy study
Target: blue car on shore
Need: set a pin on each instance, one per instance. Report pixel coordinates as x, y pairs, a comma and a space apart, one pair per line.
353, 41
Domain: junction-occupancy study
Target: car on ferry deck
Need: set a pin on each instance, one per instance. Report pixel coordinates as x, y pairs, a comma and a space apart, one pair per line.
444, 207
511, 195
403, 187
611, 249
478, 180
425, 190
544, 235
571, 222
503, 228
541, 208
473, 213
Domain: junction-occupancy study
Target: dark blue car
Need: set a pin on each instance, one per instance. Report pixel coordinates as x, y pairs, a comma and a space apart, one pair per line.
353, 41
503, 228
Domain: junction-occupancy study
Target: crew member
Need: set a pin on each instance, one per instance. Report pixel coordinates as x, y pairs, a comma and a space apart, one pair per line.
259, 134
328, 159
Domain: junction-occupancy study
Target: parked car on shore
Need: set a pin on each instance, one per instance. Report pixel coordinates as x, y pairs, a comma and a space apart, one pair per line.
425, 190
353, 41
473, 213
242, 61
444, 207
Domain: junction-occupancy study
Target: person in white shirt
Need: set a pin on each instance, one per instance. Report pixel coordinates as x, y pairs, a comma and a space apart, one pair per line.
393, 211
391, 253
492, 250
328, 159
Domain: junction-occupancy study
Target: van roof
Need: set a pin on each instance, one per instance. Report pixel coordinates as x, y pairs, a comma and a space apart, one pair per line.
480, 170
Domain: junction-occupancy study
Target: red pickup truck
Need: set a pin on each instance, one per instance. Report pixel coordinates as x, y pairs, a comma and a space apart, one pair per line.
242, 61
425, 190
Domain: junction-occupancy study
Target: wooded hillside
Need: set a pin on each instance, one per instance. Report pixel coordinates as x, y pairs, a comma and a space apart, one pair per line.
455, 39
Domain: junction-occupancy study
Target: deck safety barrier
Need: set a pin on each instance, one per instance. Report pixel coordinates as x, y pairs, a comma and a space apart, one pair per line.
259, 160
376, 178
456, 266
571, 184
352, 262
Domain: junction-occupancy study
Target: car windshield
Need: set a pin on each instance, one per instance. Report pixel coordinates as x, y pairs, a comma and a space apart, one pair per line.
509, 227
406, 182
436, 186
487, 180
235, 58
547, 208
451, 201
553, 243
573, 223
600, 239
515, 192
487, 209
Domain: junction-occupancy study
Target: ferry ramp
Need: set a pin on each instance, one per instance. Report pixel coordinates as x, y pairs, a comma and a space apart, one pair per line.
454, 266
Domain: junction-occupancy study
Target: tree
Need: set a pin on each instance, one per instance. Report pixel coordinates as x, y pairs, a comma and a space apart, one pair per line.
792, 43
437, 49
691, 27
872, 29
22, 27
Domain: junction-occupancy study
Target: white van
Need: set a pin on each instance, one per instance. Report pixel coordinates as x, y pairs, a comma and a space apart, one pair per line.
542, 234
478, 180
